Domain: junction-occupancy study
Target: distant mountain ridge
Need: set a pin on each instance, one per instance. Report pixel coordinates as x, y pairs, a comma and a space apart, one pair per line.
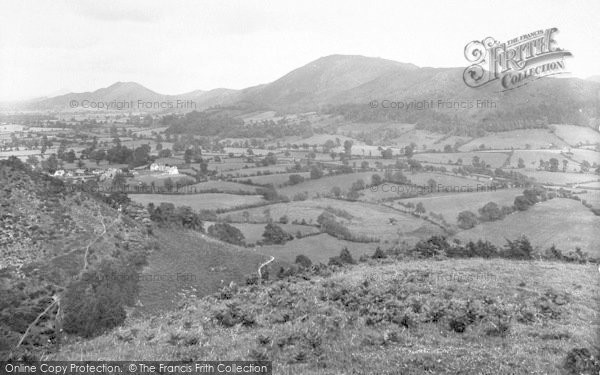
346, 79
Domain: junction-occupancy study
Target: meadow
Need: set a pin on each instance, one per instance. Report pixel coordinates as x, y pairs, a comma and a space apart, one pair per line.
223, 187
450, 205
253, 232
565, 223
559, 178
275, 179
531, 159
574, 135
517, 139
324, 184
494, 159
206, 201
365, 219
318, 248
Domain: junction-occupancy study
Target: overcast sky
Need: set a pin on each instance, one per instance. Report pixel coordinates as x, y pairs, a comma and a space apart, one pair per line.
178, 46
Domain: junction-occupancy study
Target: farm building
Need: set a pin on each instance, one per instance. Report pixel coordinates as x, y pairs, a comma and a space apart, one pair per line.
154, 167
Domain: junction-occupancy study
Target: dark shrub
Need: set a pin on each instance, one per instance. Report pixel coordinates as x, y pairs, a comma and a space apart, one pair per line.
335, 261
522, 203
346, 257
434, 246
518, 249
581, 361
303, 261
467, 220
379, 254
96, 302
274, 234
226, 232
490, 212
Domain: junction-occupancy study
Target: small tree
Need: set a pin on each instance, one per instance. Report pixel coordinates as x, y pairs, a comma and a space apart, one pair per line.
420, 209
303, 261
187, 156
295, 179
346, 257
467, 220
226, 232
376, 179
168, 184
274, 234
490, 212
522, 203
316, 173
379, 254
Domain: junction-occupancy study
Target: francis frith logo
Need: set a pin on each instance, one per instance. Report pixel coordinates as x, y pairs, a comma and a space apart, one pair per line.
516, 62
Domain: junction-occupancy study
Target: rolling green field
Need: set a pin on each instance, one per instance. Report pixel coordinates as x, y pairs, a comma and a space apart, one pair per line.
450, 205
420, 138
253, 171
370, 220
559, 178
565, 223
229, 165
223, 186
318, 248
517, 139
324, 184
275, 179
574, 135
494, 159
159, 179
447, 181
531, 159
443, 185
207, 201
254, 232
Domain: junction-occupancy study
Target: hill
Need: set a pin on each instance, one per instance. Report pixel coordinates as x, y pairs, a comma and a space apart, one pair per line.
119, 91
50, 237
129, 92
595, 78
343, 84
452, 316
319, 82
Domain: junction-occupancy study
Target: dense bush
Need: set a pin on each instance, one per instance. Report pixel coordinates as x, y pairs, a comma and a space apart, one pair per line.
490, 212
434, 246
344, 258
467, 220
295, 179
274, 234
379, 254
166, 214
96, 301
582, 361
226, 232
303, 261
518, 249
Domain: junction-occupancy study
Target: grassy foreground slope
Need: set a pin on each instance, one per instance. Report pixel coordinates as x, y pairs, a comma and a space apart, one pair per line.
467, 316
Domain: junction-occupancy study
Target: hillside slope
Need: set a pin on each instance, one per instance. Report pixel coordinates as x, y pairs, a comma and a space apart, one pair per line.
453, 316
50, 235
